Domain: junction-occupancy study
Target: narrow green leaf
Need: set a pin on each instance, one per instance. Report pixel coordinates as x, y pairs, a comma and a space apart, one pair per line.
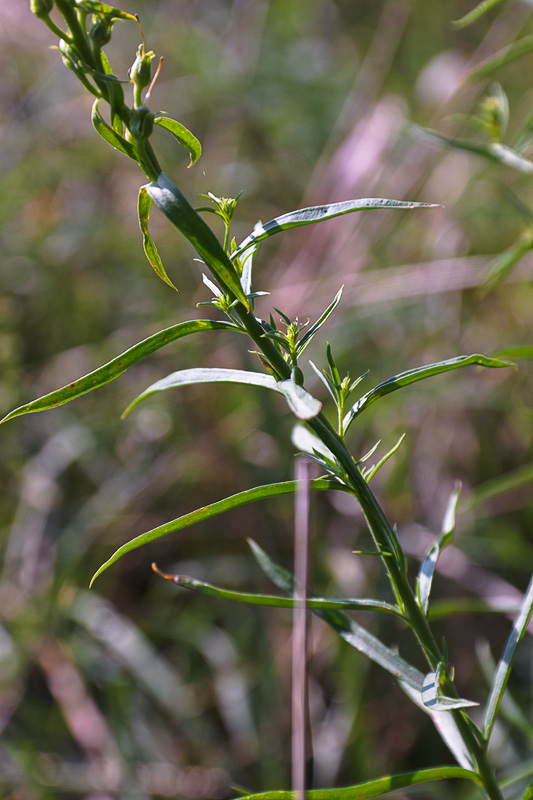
418, 374
273, 601
494, 151
350, 631
427, 569
97, 7
111, 136
475, 14
388, 783
301, 403
144, 206
184, 137
503, 57
187, 377
515, 352
235, 501
369, 474
308, 335
506, 662
528, 794
108, 372
175, 207
307, 216
411, 679
511, 710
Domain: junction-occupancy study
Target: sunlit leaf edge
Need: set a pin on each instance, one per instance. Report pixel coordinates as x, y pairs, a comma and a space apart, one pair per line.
373, 788
212, 510
114, 368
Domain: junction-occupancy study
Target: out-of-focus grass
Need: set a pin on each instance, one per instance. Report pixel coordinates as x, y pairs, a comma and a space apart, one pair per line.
136, 690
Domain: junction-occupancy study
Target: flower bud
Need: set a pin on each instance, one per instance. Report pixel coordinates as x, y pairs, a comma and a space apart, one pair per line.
142, 123
141, 70
100, 32
41, 8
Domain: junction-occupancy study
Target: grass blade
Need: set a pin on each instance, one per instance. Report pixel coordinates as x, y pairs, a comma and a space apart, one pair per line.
419, 374
273, 601
184, 137
506, 662
494, 151
308, 216
388, 783
108, 372
503, 57
144, 206
206, 512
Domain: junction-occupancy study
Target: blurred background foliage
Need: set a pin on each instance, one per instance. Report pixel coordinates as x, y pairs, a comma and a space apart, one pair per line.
136, 689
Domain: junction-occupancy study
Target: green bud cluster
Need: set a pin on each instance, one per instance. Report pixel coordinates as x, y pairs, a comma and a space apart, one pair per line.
141, 70
142, 123
101, 29
41, 8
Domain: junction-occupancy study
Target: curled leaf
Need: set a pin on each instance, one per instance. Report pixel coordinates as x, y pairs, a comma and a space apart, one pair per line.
110, 135
184, 137
150, 250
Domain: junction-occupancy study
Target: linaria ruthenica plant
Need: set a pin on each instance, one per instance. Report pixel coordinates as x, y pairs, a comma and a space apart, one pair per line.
122, 117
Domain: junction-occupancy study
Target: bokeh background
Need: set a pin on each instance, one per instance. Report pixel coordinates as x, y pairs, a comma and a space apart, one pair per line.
136, 689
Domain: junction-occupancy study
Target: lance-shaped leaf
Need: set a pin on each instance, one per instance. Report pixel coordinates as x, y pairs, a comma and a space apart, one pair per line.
300, 401
235, 501
374, 788
308, 335
307, 216
419, 374
111, 136
368, 473
97, 7
433, 697
411, 679
272, 601
494, 151
176, 208
350, 631
475, 14
506, 662
427, 569
144, 207
187, 377
184, 137
108, 372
